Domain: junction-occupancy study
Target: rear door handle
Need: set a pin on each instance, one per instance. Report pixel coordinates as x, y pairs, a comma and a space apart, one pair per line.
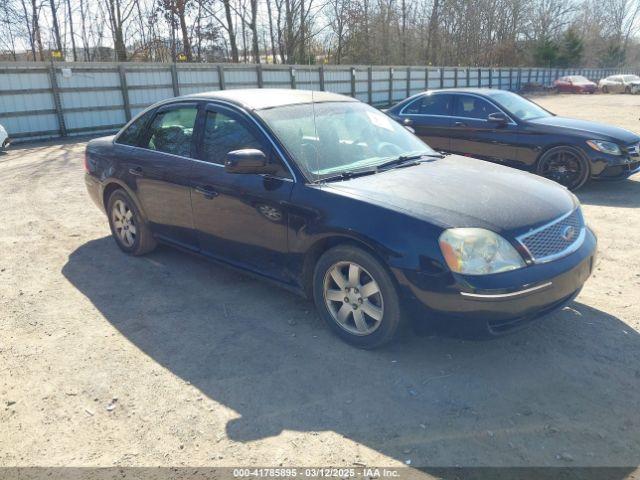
459, 124
207, 191
137, 171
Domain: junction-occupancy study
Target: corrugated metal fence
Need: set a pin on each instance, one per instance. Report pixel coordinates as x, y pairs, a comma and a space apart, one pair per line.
43, 100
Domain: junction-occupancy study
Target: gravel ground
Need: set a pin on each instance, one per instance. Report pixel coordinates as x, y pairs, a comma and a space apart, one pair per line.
167, 360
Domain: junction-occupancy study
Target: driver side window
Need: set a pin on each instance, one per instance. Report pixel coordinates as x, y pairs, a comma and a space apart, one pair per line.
223, 134
468, 106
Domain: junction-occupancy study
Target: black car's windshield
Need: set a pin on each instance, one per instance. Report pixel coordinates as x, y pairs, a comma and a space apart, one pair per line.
329, 138
522, 108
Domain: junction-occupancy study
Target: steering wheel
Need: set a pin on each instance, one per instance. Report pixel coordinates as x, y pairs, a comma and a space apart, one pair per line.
387, 149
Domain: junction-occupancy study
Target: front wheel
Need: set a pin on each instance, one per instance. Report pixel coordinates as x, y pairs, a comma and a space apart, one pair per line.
356, 297
565, 165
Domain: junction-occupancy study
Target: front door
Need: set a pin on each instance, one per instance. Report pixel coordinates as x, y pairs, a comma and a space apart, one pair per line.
473, 135
240, 218
160, 168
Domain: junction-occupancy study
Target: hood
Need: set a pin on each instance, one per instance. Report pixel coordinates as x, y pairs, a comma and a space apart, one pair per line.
459, 191
587, 129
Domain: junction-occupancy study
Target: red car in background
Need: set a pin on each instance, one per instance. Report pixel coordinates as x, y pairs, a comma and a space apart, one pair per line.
575, 84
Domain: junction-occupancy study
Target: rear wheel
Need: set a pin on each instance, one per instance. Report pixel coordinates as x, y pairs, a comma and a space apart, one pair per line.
605, 89
565, 165
627, 89
356, 297
128, 228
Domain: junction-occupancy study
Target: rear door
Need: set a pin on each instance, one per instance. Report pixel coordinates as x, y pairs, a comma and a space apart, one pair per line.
160, 169
240, 218
475, 136
431, 119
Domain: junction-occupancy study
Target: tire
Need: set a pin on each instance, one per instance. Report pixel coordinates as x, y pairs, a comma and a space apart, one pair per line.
139, 239
605, 89
627, 90
573, 158
379, 312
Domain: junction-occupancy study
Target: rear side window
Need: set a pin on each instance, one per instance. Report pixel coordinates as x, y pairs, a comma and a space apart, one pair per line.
131, 136
430, 105
172, 131
469, 106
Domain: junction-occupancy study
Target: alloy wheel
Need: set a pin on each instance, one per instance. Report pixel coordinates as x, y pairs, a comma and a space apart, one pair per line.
564, 167
353, 298
124, 223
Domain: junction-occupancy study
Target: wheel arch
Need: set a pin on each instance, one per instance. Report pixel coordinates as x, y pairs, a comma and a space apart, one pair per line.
114, 184
319, 247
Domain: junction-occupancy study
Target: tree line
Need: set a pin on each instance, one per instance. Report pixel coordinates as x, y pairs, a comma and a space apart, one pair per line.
548, 33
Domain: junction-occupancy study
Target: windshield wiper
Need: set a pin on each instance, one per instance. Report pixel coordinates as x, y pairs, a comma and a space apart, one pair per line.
403, 159
346, 175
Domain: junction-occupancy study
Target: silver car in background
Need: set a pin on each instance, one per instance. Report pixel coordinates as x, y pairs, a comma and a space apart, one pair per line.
620, 84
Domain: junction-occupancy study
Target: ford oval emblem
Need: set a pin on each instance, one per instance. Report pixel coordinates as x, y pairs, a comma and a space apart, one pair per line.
568, 233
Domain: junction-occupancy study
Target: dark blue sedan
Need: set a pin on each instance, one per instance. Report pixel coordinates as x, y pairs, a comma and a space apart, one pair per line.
504, 127
332, 199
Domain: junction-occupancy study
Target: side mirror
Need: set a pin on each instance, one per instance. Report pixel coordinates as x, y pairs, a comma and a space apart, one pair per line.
248, 160
407, 122
498, 118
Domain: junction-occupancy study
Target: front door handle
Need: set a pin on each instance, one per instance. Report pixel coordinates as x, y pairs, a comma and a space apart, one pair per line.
459, 124
206, 191
137, 171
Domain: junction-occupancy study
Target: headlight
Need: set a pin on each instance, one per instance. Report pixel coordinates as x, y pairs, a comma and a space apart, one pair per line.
476, 251
605, 147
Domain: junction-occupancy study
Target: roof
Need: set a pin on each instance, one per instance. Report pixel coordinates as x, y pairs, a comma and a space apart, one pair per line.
260, 98
479, 91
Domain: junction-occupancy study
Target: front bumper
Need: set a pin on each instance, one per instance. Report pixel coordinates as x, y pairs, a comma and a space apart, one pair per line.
484, 306
619, 172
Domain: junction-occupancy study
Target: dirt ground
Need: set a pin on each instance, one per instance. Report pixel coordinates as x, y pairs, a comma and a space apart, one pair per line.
167, 360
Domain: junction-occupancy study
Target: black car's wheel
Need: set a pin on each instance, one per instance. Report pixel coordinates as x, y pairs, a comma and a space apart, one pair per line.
356, 297
605, 89
565, 165
128, 228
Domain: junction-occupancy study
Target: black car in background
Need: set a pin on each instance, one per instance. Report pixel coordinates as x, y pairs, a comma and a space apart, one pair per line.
331, 198
503, 127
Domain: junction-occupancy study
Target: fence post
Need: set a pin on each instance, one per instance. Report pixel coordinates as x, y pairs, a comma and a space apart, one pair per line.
426, 78
510, 78
490, 77
221, 77
408, 81
292, 75
353, 82
441, 77
321, 77
468, 77
370, 84
455, 77
500, 78
125, 92
55, 92
259, 73
479, 77
174, 80
390, 85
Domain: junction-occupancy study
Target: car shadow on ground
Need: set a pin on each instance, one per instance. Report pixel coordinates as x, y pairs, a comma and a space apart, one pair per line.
624, 193
564, 390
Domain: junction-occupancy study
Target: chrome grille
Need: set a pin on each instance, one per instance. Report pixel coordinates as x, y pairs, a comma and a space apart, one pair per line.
556, 239
633, 149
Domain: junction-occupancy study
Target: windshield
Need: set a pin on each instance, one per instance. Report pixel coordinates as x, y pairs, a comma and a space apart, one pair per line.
345, 137
519, 106
630, 78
